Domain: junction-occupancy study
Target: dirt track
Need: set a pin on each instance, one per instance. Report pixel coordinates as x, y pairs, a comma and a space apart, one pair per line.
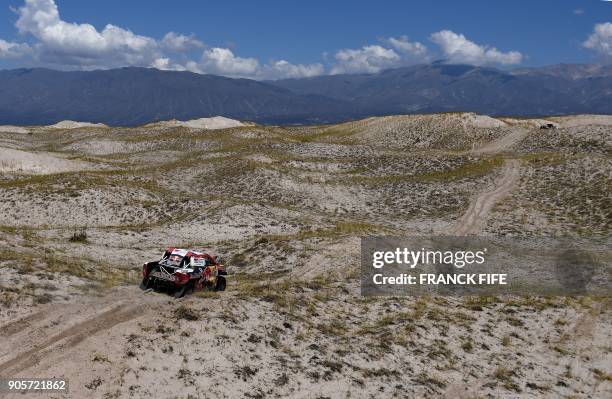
503, 143
38, 339
473, 220
291, 204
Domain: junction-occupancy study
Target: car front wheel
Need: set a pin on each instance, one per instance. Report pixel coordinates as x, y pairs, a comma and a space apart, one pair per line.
145, 284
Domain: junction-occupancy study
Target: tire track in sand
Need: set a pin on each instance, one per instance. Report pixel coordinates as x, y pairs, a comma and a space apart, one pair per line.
502, 143
474, 218
18, 325
472, 221
72, 336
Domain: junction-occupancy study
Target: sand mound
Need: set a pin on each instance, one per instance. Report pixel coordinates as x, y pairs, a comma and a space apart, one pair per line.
216, 122
451, 131
583, 120
480, 121
102, 147
13, 129
528, 123
12, 160
75, 125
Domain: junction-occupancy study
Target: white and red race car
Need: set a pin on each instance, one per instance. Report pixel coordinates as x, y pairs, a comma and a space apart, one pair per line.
183, 271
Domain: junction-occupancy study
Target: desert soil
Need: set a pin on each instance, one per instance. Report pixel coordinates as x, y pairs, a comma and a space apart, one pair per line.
285, 207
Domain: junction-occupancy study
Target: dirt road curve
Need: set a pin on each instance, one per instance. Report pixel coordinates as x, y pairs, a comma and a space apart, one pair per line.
473, 220
502, 143
475, 217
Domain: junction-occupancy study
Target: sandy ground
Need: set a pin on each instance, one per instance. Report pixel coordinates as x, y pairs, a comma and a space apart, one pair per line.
75, 125
503, 143
214, 123
475, 217
471, 120
583, 120
12, 160
13, 129
285, 207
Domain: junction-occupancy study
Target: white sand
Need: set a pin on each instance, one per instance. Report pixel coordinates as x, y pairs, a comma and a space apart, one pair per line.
216, 122
529, 123
583, 120
563, 121
12, 160
13, 129
74, 125
480, 121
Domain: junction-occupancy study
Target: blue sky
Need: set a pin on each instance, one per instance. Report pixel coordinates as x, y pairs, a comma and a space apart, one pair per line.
275, 39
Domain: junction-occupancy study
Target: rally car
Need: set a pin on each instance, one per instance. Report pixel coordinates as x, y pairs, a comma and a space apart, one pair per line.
182, 271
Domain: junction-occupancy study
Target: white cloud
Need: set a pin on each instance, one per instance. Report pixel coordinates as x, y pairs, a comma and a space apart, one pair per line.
285, 69
13, 50
374, 58
162, 63
600, 40
403, 45
166, 64
458, 49
58, 43
370, 59
223, 61
180, 43
82, 46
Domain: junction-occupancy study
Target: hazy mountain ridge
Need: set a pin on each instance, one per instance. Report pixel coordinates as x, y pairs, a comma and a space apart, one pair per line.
134, 96
439, 87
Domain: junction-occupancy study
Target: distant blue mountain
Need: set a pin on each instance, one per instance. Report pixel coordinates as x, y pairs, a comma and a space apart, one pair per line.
134, 96
438, 87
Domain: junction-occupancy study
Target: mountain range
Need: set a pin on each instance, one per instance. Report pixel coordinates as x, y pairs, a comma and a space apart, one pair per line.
134, 96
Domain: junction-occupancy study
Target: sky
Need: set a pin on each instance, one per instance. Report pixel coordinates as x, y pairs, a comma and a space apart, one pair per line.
290, 39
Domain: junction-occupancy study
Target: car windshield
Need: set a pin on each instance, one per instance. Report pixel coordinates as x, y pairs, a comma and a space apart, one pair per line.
174, 258
198, 261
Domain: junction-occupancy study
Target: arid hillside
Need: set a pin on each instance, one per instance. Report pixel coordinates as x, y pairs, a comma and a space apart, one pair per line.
82, 207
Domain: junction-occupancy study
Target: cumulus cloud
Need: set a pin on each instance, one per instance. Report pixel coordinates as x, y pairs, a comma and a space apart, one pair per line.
82, 46
180, 43
403, 45
370, 59
394, 52
223, 61
286, 69
59, 43
166, 64
600, 40
13, 50
458, 49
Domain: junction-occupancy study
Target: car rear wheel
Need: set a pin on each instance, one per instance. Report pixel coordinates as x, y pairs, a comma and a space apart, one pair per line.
221, 283
184, 290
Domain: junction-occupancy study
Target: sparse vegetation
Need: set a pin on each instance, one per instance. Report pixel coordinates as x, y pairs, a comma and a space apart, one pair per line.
186, 313
286, 206
79, 236
506, 377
